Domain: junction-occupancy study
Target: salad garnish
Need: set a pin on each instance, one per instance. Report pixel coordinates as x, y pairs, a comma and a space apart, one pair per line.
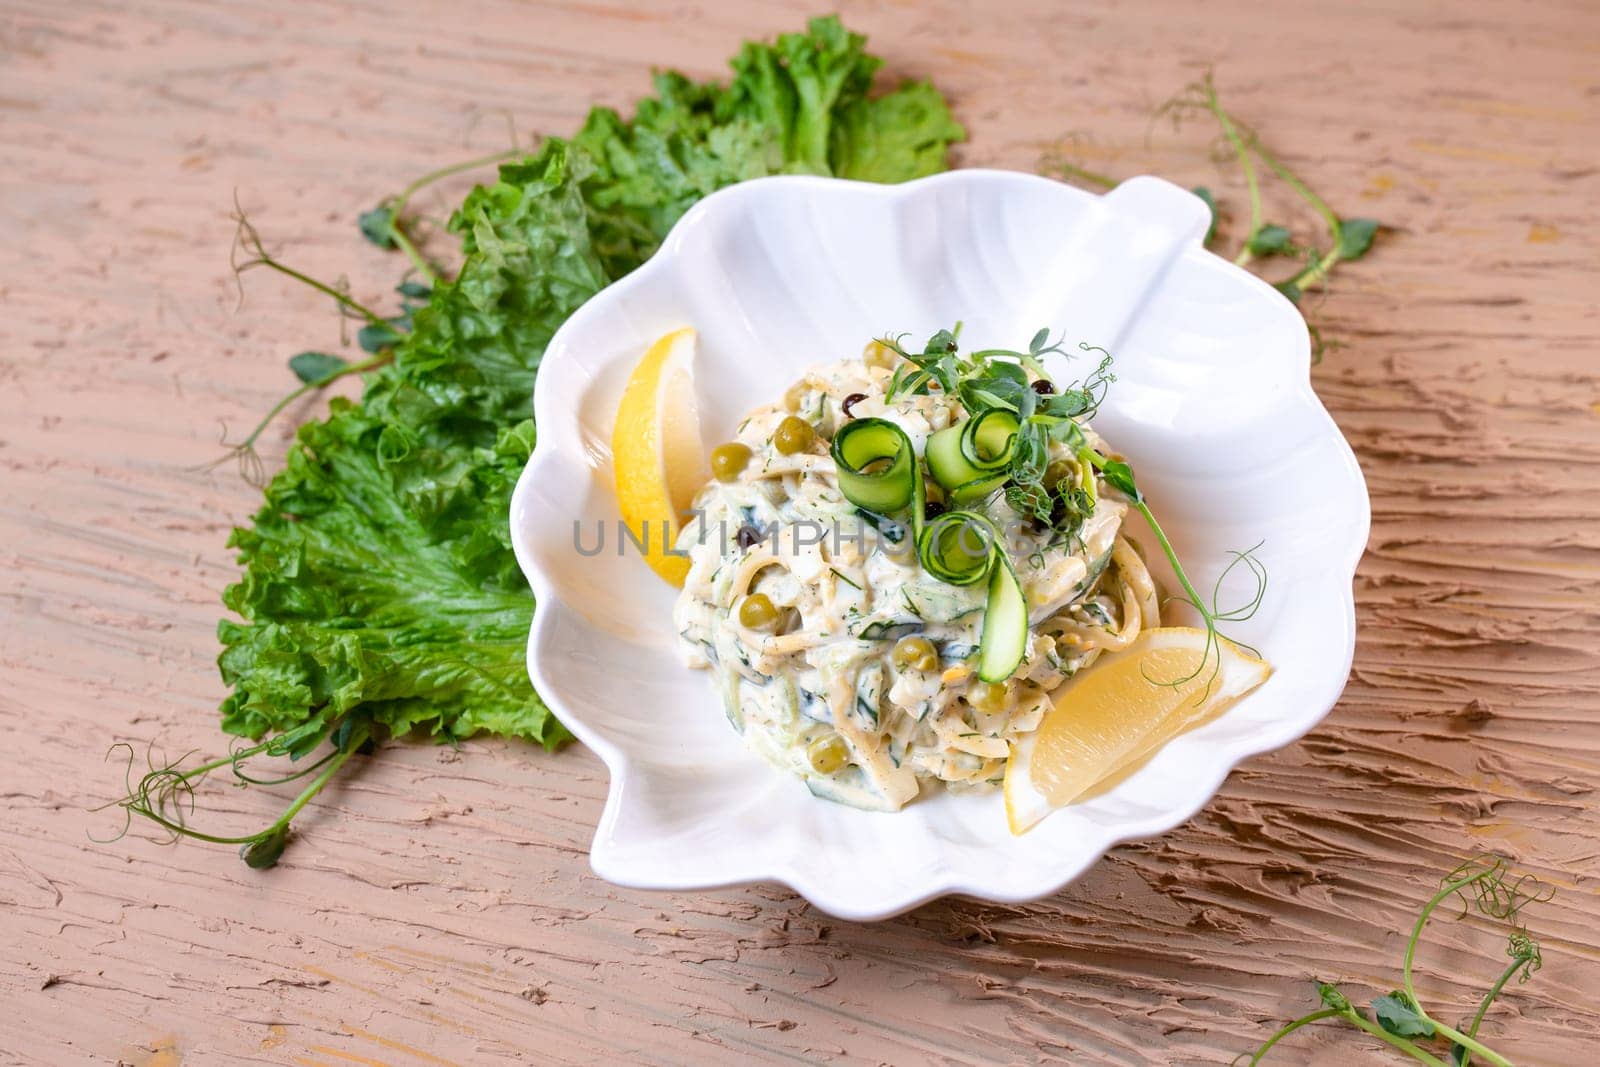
1002, 573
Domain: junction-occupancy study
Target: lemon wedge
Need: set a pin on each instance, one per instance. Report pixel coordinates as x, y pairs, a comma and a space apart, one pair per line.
1111, 717
656, 451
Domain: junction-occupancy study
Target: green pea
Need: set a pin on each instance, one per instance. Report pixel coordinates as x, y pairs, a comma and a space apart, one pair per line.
828, 754
989, 696
729, 461
915, 653
758, 612
793, 434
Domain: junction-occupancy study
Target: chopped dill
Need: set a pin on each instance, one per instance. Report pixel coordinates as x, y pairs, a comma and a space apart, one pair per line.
843, 579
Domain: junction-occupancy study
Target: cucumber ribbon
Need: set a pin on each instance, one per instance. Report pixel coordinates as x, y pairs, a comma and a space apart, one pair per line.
877, 469
965, 548
973, 458
878, 472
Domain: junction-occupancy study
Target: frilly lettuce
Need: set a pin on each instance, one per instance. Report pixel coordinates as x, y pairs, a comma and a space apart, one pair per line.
378, 580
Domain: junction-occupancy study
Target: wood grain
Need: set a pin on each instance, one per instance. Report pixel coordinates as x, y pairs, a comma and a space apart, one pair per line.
438, 908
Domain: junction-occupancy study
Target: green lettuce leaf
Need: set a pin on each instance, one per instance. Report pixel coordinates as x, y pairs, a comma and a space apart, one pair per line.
895, 138
378, 579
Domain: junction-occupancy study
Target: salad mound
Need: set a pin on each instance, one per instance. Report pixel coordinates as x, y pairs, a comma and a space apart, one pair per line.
895, 568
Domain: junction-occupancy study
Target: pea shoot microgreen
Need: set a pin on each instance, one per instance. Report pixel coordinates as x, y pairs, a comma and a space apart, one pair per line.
1347, 238
389, 226
1398, 1018
1007, 379
249, 252
1119, 475
165, 794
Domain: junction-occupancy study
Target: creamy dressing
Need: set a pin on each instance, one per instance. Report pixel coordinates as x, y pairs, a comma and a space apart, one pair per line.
847, 594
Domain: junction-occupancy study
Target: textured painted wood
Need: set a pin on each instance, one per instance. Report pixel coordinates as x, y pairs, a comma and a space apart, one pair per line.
438, 908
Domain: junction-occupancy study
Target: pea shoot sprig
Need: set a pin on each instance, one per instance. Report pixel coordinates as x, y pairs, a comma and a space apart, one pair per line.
391, 226
1346, 238
1048, 495
165, 793
1015, 381
1398, 1019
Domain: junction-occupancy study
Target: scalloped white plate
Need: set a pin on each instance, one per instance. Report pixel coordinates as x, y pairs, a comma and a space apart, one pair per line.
1212, 405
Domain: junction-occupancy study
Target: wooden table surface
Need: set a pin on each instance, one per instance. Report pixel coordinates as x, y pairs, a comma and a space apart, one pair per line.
438, 907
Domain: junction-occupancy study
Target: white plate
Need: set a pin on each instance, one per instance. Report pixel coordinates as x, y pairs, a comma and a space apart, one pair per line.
1212, 405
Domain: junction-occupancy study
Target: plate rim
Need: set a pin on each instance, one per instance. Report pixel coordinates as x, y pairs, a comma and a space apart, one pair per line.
609, 865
